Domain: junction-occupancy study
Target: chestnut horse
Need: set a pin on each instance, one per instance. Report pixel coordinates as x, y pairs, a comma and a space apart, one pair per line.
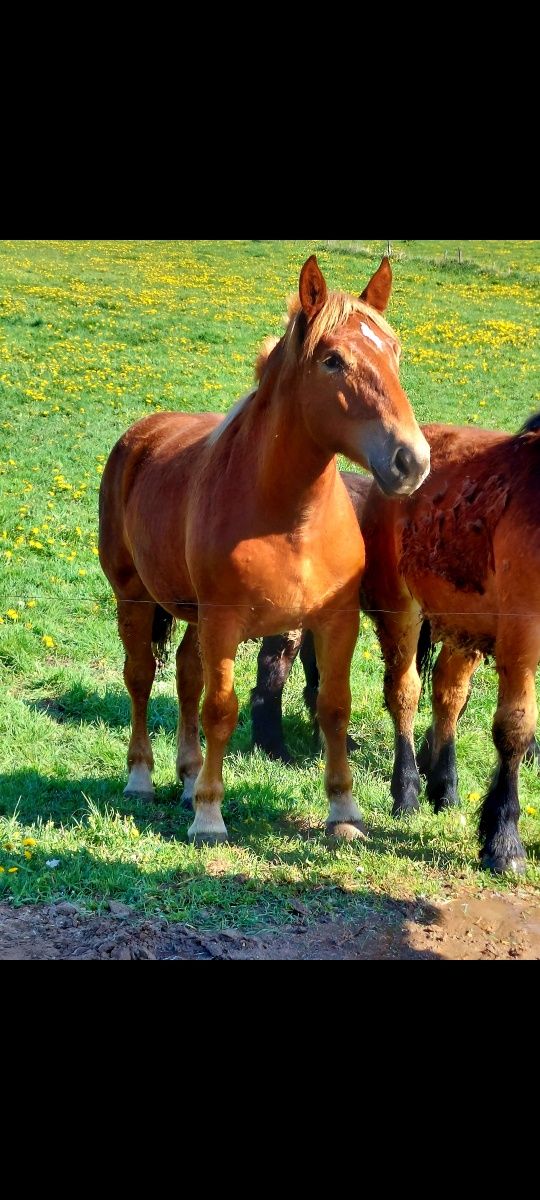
458, 562
230, 524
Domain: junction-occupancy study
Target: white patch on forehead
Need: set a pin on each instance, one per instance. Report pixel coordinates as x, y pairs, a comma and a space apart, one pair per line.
367, 332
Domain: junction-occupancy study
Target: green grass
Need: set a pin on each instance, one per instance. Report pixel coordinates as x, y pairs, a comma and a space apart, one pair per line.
92, 336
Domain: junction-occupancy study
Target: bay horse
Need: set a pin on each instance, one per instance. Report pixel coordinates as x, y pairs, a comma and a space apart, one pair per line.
457, 562
230, 525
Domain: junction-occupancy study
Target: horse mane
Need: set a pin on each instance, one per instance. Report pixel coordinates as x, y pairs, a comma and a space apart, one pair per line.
532, 425
301, 339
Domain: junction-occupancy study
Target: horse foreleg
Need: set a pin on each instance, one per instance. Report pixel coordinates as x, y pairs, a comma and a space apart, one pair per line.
219, 644
189, 685
335, 641
135, 628
451, 688
398, 635
516, 656
274, 663
311, 690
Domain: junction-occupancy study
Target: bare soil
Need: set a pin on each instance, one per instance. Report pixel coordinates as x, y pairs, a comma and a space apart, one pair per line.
488, 925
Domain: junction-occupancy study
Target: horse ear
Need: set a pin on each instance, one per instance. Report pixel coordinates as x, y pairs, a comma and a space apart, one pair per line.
377, 292
313, 291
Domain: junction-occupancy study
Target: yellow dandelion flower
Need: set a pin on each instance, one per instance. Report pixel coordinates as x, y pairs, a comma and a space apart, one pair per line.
82, 572
530, 810
48, 641
12, 870
28, 854
8, 554
473, 796
2, 869
29, 842
12, 614
31, 603
367, 654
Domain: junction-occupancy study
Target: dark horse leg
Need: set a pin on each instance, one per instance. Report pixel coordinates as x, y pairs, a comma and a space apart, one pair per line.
189, 685
135, 621
398, 635
532, 753
451, 688
516, 656
274, 663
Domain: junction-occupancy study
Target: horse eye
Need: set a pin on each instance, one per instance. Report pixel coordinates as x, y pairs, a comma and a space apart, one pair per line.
334, 363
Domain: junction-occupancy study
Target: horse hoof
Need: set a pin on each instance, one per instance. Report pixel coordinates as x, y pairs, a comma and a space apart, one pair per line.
133, 794
345, 831
186, 800
451, 801
208, 839
403, 809
281, 756
501, 864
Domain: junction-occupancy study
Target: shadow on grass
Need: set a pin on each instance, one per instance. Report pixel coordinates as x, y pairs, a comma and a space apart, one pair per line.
253, 815
112, 708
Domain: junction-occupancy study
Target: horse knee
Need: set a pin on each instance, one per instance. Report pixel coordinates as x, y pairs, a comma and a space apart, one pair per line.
219, 716
513, 729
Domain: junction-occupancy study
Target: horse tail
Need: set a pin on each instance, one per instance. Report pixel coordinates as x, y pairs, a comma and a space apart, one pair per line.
532, 425
162, 630
425, 653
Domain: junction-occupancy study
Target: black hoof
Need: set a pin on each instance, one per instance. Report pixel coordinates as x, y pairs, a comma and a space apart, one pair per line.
277, 751
405, 805
451, 800
502, 864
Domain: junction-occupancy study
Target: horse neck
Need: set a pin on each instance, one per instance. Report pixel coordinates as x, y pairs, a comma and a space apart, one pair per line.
293, 474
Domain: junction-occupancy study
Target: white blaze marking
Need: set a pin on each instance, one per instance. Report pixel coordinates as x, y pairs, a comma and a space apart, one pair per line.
367, 332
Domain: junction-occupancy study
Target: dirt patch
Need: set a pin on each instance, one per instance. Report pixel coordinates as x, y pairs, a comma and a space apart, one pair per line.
484, 926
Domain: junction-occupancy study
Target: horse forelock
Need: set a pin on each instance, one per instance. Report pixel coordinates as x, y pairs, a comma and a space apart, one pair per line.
336, 311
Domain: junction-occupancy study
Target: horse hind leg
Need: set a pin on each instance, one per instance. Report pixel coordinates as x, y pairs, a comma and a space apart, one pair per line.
451, 688
274, 663
189, 685
135, 626
532, 753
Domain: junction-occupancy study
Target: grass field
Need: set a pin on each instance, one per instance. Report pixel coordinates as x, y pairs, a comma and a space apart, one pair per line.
92, 336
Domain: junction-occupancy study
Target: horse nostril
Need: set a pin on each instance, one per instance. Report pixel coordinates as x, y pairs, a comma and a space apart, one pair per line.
403, 461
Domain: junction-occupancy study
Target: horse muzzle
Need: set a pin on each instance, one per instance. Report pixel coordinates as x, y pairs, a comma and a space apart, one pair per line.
404, 472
